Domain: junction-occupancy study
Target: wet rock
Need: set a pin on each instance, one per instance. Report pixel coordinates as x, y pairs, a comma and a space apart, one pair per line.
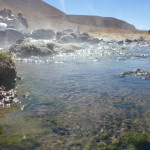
25, 48
84, 37
66, 48
43, 34
26, 95
94, 41
7, 80
136, 72
14, 35
141, 39
128, 41
7, 71
120, 42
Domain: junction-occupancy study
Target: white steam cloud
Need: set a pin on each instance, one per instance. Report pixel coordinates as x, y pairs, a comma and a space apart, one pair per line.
62, 2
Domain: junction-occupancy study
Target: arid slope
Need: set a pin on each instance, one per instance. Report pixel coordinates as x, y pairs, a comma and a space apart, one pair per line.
42, 15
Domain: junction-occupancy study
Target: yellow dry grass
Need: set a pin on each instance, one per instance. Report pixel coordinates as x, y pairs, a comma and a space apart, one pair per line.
121, 35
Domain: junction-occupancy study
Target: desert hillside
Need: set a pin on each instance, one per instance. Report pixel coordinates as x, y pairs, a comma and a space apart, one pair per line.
98, 21
38, 13
42, 15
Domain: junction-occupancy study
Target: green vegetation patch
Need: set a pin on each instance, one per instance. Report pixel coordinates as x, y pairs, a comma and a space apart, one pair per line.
14, 143
7, 57
1, 132
138, 141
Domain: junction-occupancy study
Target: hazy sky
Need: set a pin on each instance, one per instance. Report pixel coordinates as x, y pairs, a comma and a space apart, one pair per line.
136, 12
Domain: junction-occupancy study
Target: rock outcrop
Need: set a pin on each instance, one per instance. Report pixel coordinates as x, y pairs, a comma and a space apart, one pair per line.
43, 34
7, 71
8, 76
12, 28
70, 36
27, 48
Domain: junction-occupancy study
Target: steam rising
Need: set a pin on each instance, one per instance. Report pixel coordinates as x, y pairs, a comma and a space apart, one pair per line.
62, 2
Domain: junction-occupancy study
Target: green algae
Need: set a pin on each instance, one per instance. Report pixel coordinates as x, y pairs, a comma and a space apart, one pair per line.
7, 57
18, 143
6, 110
138, 141
1, 132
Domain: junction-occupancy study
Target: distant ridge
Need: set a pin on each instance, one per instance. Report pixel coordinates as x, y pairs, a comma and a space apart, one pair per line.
99, 21
43, 15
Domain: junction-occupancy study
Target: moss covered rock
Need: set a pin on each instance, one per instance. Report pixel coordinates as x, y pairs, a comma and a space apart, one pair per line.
7, 71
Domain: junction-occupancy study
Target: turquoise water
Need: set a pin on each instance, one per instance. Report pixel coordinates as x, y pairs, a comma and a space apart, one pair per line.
77, 100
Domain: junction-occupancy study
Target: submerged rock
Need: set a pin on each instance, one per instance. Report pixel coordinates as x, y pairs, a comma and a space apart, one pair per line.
136, 72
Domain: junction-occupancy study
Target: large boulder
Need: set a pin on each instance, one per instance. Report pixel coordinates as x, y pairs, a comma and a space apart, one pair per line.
8, 77
19, 23
43, 34
9, 36
7, 71
28, 47
86, 38
14, 35
25, 48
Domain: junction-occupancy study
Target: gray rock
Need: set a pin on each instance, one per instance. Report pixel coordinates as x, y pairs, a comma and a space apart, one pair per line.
120, 42
94, 41
7, 71
14, 35
141, 39
59, 35
84, 37
67, 48
68, 30
43, 34
25, 48
68, 39
128, 41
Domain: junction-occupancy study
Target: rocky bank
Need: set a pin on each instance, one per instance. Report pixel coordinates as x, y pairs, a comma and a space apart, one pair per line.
8, 76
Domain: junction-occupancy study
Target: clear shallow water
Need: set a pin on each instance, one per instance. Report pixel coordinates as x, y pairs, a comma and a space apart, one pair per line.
77, 98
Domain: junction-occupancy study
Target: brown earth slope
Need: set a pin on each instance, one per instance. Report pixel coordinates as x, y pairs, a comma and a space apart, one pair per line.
42, 15
38, 13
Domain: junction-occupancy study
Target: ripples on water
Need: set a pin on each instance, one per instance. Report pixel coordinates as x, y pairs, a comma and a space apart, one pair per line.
77, 100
